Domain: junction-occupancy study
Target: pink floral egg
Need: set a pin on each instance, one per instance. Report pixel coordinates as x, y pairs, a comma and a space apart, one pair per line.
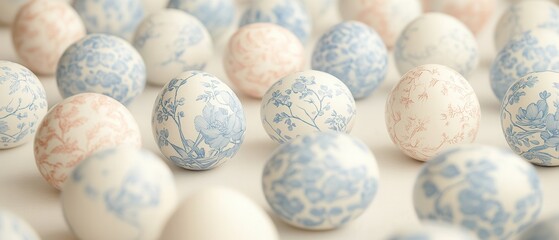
473, 13
78, 127
432, 108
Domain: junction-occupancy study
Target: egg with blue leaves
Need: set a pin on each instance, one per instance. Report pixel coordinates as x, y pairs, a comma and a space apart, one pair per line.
217, 15
119, 18
15, 228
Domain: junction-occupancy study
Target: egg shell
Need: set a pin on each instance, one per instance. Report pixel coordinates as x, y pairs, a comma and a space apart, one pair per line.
119, 18
103, 64
388, 18
432, 231
23, 104
222, 208
524, 16
546, 229
197, 121
531, 51
78, 127
217, 15
42, 31
153, 6
321, 180
127, 190
431, 108
12, 227
306, 102
353, 53
259, 54
290, 14
475, 14
436, 38
489, 191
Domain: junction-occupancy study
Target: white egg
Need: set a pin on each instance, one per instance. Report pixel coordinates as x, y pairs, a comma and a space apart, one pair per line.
474, 13
546, 229
120, 193
432, 231
78, 127
217, 15
233, 215
13, 227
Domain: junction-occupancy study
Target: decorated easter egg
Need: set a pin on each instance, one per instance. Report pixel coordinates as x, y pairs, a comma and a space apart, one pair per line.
217, 15
306, 102
474, 13
432, 231
23, 104
12, 227
259, 54
489, 191
78, 127
119, 18
171, 42
197, 121
353, 53
102, 64
431, 108
546, 229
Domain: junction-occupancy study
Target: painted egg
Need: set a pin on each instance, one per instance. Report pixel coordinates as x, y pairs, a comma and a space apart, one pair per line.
436, 38
431, 108
153, 6
524, 16
171, 42
388, 18
102, 64
197, 121
355, 54
547, 229
76, 128
193, 216
128, 190
289, 14
259, 54
532, 51
433, 231
217, 15
42, 31
306, 102
119, 18
470, 186
321, 180
323, 13
12, 227
474, 13
23, 104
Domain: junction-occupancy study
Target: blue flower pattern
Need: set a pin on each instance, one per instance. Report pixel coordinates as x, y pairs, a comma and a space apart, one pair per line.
14, 228
119, 18
216, 15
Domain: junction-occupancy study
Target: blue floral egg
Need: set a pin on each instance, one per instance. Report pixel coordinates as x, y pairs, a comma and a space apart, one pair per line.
198, 121
433, 231
23, 104
102, 64
115, 17
217, 15
14, 228
289, 14
547, 229
306, 102
321, 180
354, 53
489, 191
531, 51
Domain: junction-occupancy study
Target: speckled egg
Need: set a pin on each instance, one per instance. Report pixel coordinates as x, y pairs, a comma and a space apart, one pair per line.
197, 121
431, 108
42, 31
388, 18
489, 191
289, 14
321, 180
127, 190
78, 127
306, 102
103, 64
524, 16
23, 104
259, 54
436, 38
171, 42
353, 53
217, 15
546, 229
531, 51
12, 227
432, 231
119, 18
474, 13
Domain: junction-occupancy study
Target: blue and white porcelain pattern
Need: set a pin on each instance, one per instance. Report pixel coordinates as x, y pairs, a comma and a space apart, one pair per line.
290, 14
321, 180
355, 54
13, 227
128, 190
198, 121
102, 64
546, 229
531, 51
530, 118
433, 231
437, 38
217, 15
305, 102
119, 18
490, 191
23, 104
171, 42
